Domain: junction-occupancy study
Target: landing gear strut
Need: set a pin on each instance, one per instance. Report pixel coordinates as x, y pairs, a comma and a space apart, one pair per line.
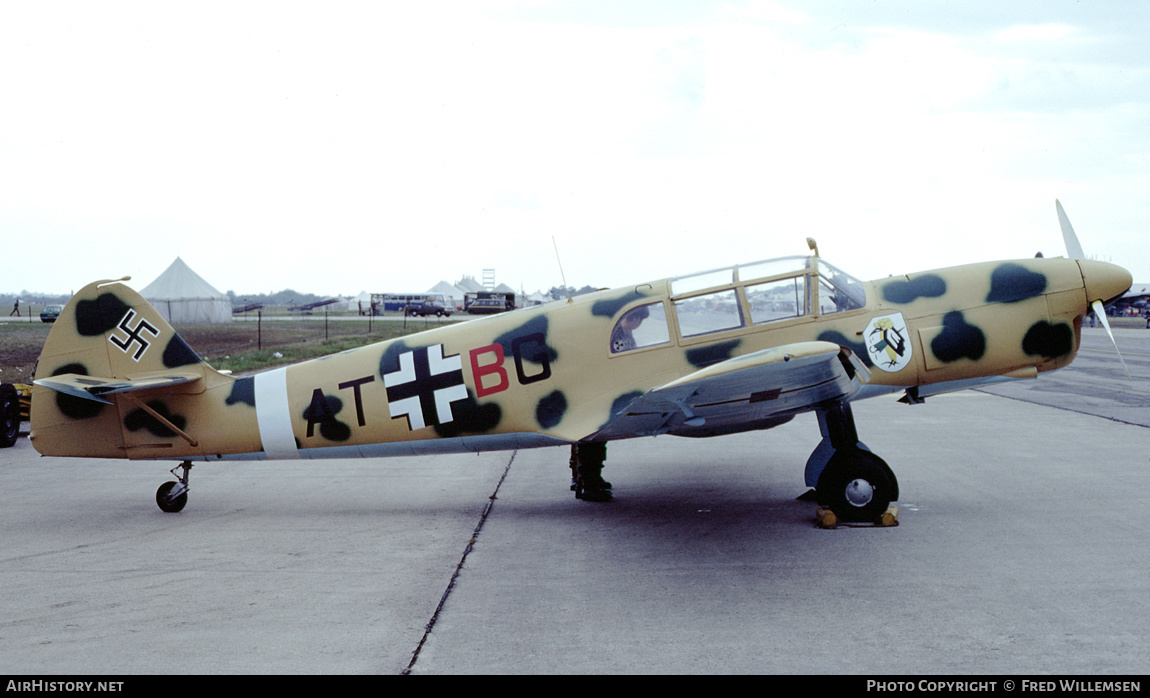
173, 496
852, 482
587, 472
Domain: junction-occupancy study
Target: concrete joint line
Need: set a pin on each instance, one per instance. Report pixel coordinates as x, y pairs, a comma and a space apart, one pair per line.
459, 567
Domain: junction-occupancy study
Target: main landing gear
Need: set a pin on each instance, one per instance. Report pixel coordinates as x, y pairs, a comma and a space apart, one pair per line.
587, 472
855, 484
173, 496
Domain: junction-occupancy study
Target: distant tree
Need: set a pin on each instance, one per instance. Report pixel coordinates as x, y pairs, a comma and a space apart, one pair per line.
284, 297
560, 292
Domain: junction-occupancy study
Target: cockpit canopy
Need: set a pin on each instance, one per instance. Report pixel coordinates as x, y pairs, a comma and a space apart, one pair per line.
734, 297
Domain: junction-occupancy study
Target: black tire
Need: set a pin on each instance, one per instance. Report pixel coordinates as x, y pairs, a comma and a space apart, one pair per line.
857, 486
168, 504
9, 415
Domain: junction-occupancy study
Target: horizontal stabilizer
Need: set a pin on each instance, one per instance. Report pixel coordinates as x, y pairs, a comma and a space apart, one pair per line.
94, 387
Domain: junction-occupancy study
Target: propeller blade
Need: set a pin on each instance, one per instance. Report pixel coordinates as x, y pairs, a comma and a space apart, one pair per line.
1100, 313
1074, 250
1073, 247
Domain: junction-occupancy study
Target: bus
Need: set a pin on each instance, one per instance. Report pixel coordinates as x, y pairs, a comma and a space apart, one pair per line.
398, 301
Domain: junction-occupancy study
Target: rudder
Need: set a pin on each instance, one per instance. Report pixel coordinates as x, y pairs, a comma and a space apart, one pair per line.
109, 333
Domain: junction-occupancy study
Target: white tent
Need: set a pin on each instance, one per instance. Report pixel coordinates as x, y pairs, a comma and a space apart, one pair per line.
361, 303
468, 284
453, 294
182, 296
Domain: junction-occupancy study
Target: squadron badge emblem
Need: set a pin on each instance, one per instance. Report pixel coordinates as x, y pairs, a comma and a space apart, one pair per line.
888, 342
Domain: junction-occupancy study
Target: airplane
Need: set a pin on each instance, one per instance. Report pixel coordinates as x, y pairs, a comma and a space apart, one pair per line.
1136, 301
731, 350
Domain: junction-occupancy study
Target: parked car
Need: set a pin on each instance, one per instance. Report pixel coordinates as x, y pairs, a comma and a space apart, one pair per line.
484, 306
428, 308
50, 313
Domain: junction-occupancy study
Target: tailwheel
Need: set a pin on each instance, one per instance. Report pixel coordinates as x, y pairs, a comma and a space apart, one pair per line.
171, 497
857, 486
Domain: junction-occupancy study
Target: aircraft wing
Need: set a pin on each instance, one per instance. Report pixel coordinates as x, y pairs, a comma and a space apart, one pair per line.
1137, 293
94, 388
755, 391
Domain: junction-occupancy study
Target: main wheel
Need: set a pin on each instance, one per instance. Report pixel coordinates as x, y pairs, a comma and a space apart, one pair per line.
857, 486
9, 415
166, 502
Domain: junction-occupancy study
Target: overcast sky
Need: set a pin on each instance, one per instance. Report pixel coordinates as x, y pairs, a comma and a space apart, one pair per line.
336, 147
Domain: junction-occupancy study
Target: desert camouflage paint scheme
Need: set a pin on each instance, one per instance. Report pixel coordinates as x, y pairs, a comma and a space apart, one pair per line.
731, 350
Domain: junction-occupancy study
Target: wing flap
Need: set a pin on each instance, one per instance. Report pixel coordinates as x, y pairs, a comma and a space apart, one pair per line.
755, 391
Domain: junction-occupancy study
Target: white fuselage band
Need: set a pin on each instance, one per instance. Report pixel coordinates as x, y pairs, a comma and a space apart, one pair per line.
273, 415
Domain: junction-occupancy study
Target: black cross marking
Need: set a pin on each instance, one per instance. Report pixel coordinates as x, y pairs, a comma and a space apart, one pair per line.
133, 334
420, 394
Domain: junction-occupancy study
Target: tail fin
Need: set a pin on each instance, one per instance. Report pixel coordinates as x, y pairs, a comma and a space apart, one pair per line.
107, 340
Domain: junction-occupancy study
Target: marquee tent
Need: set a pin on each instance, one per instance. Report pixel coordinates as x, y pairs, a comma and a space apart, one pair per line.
451, 292
182, 296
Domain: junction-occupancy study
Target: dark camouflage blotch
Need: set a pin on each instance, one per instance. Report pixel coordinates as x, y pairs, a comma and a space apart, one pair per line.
72, 406
243, 390
550, 410
609, 307
535, 326
958, 340
1049, 341
322, 411
906, 291
141, 419
95, 317
1010, 283
701, 357
470, 417
178, 353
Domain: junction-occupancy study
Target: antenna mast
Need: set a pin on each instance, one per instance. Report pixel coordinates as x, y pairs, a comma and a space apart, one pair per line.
561, 274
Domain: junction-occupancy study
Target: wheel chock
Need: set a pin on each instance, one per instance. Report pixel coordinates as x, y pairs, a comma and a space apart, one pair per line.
825, 518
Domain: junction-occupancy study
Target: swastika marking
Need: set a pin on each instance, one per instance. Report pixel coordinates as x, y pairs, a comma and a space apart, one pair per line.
133, 335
